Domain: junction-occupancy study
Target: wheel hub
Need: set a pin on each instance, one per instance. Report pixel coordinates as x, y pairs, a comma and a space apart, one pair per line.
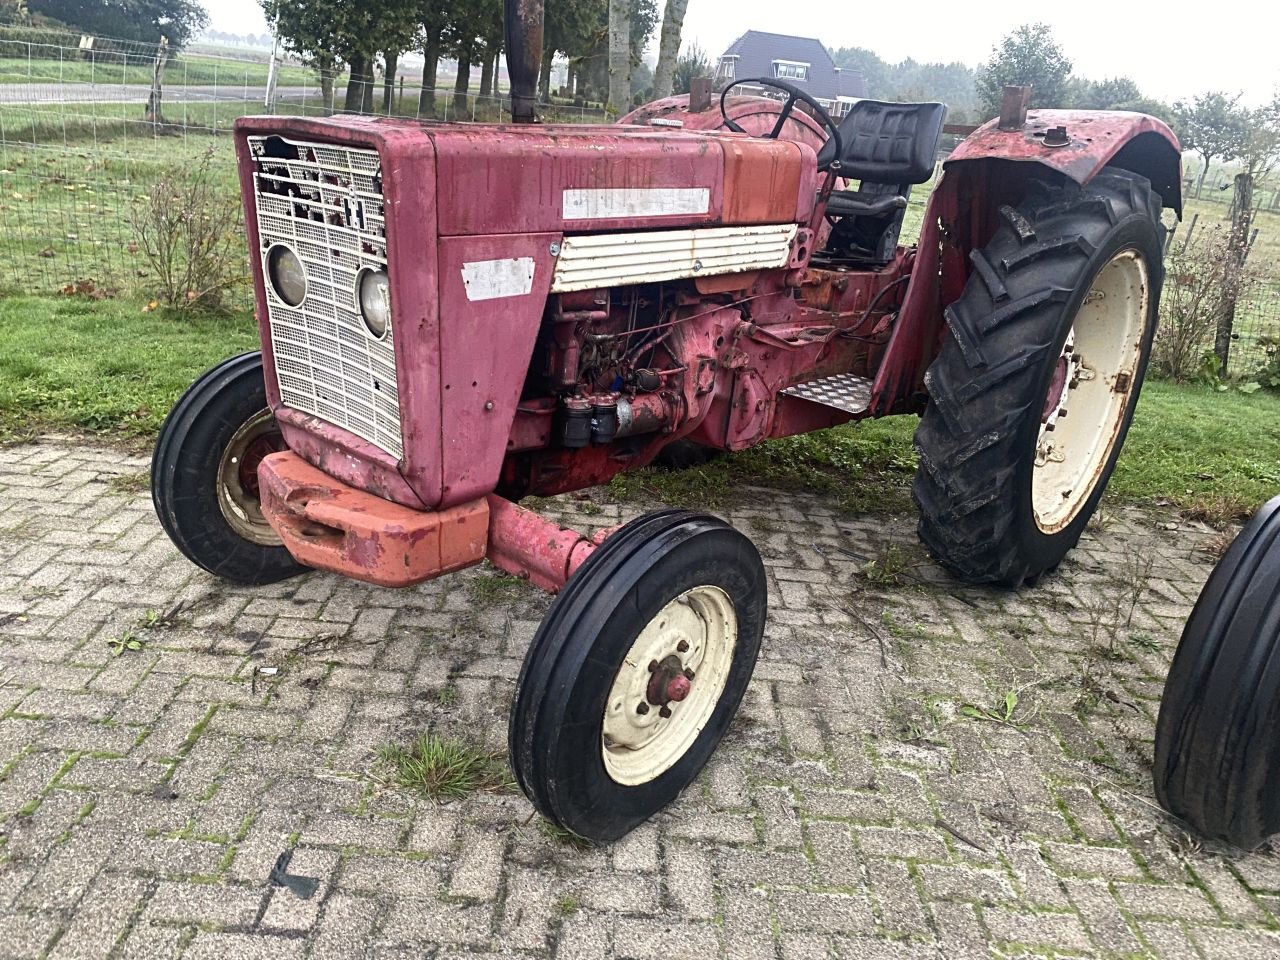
1091, 381
669, 684
238, 494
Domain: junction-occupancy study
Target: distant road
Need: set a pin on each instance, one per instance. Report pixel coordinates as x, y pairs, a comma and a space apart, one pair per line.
138, 92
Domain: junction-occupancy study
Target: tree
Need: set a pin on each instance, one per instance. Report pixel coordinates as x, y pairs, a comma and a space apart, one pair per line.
692, 63
619, 54
950, 83
310, 32
1108, 94
1214, 126
143, 20
1028, 57
668, 47
1260, 147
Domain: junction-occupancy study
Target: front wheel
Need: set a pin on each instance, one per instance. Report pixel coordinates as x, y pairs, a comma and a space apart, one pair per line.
1217, 750
636, 672
1033, 391
204, 475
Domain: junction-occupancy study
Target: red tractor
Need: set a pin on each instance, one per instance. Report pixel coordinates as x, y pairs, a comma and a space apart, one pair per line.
455, 316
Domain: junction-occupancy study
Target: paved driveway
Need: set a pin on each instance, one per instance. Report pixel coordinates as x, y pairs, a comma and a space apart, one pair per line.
858, 809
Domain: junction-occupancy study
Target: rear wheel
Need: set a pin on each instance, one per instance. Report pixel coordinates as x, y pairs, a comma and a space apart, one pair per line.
636, 672
204, 475
1217, 756
1032, 393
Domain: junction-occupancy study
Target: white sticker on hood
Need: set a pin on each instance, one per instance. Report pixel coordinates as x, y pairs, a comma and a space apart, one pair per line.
635, 202
492, 279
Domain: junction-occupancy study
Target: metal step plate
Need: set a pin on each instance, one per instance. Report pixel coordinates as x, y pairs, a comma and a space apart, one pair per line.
845, 391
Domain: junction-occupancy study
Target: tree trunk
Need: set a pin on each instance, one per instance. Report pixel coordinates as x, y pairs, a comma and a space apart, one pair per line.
669, 47
486, 74
619, 55
389, 80
1233, 269
462, 85
366, 89
1204, 172
431, 58
357, 83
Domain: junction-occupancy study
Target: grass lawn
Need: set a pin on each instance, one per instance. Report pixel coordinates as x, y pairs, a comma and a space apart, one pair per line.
78, 364
112, 368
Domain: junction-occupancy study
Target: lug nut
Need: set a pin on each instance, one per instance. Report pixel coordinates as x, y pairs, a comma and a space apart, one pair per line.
664, 712
653, 666
642, 708
683, 646
688, 673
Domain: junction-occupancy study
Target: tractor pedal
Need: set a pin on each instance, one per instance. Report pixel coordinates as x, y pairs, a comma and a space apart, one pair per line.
847, 392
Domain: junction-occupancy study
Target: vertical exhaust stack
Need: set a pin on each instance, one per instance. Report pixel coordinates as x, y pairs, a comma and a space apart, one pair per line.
522, 23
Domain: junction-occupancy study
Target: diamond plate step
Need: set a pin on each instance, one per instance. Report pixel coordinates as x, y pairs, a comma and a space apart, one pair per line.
845, 391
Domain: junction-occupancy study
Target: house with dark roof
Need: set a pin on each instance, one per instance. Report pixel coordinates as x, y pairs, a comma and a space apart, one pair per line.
802, 61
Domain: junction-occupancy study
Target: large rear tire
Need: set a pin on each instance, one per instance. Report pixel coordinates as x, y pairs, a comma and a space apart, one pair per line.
636, 672
1032, 393
1217, 751
204, 480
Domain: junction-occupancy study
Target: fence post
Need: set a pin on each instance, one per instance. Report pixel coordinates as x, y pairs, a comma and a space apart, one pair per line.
1233, 268
153, 113
273, 73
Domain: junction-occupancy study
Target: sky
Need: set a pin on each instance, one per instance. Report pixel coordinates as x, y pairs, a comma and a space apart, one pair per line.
1172, 50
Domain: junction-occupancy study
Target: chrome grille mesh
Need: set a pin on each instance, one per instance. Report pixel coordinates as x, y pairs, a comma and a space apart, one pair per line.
325, 203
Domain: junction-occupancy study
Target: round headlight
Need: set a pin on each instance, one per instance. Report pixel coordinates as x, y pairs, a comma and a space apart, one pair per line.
287, 275
373, 293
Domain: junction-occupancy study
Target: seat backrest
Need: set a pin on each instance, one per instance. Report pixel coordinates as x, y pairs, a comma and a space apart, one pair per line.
890, 142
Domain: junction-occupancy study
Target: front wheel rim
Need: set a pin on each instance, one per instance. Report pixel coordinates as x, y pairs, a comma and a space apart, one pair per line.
237, 478
1088, 398
669, 685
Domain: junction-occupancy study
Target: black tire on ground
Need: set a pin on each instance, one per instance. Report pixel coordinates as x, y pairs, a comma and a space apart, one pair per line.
558, 720
977, 440
1217, 751
187, 485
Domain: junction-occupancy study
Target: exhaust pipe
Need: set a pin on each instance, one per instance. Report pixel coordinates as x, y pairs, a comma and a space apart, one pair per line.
522, 26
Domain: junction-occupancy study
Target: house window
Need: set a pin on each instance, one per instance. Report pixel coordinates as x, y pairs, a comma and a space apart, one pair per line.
790, 70
726, 70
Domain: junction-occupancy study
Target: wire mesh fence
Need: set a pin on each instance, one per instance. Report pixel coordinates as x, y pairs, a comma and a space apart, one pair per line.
83, 138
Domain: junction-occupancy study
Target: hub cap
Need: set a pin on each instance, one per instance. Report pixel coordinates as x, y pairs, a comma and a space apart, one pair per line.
238, 478
1089, 391
669, 685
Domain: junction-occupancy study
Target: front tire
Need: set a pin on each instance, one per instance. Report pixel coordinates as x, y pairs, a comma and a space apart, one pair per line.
1057, 318
636, 672
204, 475
1217, 750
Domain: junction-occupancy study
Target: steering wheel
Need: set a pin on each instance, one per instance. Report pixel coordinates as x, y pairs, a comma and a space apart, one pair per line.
794, 93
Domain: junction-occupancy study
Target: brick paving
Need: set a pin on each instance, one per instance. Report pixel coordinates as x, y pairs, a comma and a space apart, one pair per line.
875, 799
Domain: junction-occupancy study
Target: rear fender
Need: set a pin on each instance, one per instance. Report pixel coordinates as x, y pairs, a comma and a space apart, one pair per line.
1096, 139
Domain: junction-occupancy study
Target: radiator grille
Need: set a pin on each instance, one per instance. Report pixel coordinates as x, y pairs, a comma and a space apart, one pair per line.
325, 203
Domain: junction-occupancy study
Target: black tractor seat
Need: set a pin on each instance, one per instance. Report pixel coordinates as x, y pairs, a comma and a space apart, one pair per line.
851, 203
888, 148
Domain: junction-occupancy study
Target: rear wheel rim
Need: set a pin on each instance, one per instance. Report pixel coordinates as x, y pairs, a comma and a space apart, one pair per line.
238, 497
645, 735
1088, 398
